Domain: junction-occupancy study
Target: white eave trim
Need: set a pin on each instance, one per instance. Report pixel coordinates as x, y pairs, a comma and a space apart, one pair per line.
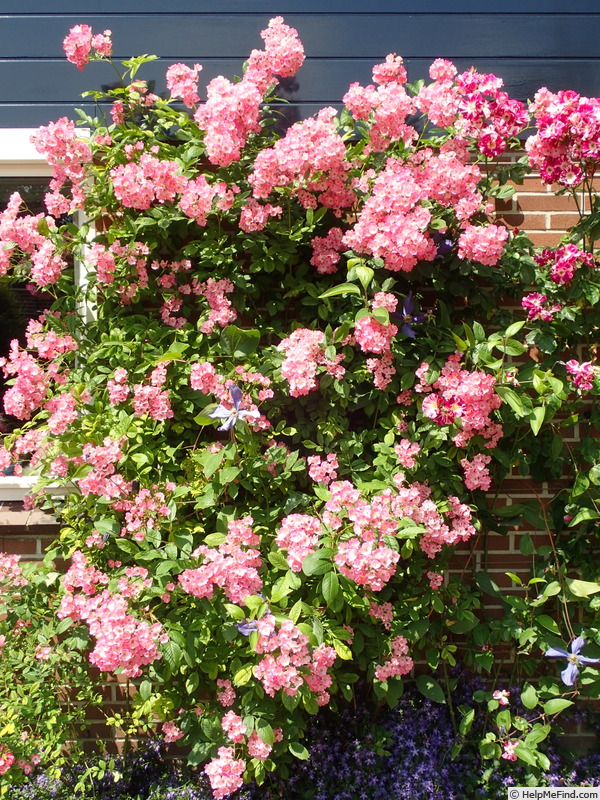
18, 156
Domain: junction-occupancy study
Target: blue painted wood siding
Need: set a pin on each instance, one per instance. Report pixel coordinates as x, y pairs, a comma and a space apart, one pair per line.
529, 43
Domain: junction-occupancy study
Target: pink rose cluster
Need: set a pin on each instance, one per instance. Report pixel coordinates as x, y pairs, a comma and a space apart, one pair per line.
310, 161
477, 475
30, 388
11, 574
386, 107
82, 44
582, 374
538, 306
231, 112
232, 566
145, 511
103, 479
474, 104
288, 663
68, 153
566, 146
323, 470
459, 394
123, 642
20, 235
564, 262
398, 663
298, 536
304, 354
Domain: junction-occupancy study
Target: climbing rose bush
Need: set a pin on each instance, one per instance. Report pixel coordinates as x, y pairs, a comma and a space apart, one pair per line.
281, 390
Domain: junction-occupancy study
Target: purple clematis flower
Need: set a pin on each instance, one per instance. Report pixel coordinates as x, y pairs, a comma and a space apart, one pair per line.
409, 319
571, 671
247, 626
231, 415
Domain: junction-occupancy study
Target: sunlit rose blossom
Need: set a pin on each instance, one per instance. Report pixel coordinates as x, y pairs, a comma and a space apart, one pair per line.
225, 773
81, 43
227, 694
182, 82
537, 307
501, 695
323, 470
582, 375
435, 580
298, 536
7, 759
477, 475
508, 751
483, 243
171, 732
234, 727
398, 663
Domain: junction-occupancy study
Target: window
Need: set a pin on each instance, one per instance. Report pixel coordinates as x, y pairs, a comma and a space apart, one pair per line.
24, 170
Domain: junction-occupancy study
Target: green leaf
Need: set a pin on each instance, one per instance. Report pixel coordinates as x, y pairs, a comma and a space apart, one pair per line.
460, 343
212, 462
243, 675
172, 653
486, 584
529, 696
239, 343
235, 612
582, 588
514, 328
537, 420
265, 731
200, 752
330, 586
317, 563
298, 750
525, 754
107, 525
556, 705
466, 721
526, 545
537, 734
430, 689
583, 515
550, 624
342, 650
278, 560
594, 475
512, 398
145, 690
340, 290
174, 353
514, 578
364, 275
382, 315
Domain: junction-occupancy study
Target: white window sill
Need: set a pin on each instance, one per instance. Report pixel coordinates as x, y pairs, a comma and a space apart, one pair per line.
15, 489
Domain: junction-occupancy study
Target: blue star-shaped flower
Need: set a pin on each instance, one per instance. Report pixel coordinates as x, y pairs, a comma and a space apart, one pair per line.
231, 415
409, 319
570, 673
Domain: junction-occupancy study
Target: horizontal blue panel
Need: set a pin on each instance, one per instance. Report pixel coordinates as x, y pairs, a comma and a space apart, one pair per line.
319, 83
16, 115
100, 7
322, 81
319, 80
324, 35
